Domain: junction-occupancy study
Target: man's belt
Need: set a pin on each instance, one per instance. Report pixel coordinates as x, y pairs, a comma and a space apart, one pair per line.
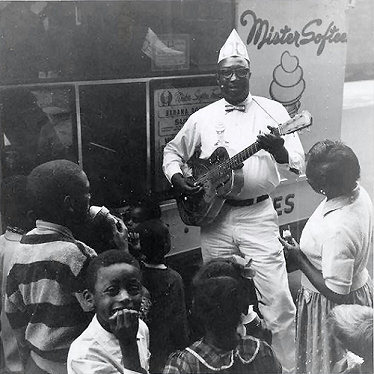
247, 202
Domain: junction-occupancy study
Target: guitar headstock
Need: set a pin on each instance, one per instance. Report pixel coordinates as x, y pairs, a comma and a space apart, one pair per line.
299, 122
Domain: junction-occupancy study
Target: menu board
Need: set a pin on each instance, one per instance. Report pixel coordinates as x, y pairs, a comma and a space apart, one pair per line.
172, 102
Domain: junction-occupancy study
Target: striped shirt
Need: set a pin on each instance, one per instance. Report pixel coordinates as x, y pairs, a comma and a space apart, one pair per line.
42, 289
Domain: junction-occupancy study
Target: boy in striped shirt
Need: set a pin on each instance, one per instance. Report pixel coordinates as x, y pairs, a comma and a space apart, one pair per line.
44, 286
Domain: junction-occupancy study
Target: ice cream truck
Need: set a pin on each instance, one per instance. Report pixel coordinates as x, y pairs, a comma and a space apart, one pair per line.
298, 59
108, 84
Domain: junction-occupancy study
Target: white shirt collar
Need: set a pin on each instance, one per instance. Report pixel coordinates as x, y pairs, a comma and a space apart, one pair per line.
154, 266
340, 201
49, 226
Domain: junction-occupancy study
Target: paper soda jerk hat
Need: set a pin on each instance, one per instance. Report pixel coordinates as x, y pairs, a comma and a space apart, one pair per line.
233, 46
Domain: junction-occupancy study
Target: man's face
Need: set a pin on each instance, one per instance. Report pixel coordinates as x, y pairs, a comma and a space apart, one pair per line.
233, 78
117, 287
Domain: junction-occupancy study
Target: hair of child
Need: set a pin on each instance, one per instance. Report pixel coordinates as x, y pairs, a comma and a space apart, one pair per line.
154, 239
352, 325
106, 259
49, 183
217, 303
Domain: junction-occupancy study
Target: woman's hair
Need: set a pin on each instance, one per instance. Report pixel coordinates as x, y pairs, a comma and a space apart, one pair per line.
105, 259
332, 165
352, 325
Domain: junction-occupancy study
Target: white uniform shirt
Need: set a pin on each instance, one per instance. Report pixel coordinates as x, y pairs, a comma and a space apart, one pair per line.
97, 351
338, 238
211, 127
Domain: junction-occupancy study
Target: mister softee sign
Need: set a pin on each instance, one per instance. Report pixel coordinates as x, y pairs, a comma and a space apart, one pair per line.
297, 50
315, 31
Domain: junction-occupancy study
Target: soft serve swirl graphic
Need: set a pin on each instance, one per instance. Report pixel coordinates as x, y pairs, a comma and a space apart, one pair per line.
288, 84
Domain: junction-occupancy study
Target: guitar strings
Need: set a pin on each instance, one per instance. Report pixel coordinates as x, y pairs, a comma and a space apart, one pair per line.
229, 163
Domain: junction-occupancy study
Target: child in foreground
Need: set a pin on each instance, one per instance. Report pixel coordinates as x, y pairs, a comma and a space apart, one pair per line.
218, 303
116, 341
351, 326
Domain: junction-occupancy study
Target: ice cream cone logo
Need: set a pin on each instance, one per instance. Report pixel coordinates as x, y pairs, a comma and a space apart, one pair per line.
288, 84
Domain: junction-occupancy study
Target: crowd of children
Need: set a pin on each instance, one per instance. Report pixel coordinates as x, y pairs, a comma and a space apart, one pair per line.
117, 307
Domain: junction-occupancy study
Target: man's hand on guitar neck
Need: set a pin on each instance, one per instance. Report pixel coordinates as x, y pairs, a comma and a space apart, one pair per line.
274, 144
184, 186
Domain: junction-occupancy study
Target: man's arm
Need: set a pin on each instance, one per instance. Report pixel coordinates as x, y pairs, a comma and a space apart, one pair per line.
179, 150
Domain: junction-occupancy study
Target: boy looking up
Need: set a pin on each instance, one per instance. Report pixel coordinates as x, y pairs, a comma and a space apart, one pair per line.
116, 341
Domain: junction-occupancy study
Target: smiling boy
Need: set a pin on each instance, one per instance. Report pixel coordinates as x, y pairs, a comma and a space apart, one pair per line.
116, 341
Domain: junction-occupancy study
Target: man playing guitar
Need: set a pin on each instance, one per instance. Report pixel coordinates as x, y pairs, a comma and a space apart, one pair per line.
247, 224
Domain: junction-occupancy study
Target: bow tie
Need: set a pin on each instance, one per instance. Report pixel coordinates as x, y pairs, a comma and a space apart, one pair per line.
230, 107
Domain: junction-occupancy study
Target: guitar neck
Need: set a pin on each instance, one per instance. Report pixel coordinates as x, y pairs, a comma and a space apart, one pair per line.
240, 157
230, 164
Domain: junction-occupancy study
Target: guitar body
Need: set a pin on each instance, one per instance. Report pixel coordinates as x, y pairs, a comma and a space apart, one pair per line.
202, 208
221, 177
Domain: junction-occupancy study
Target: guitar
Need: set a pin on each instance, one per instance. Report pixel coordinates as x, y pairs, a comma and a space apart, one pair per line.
221, 176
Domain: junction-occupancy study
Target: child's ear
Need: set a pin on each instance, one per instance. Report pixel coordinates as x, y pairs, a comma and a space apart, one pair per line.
89, 298
68, 203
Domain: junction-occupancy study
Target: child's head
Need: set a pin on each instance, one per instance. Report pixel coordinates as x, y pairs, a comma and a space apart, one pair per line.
231, 268
154, 241
221, 295
59, 192
352, 325
217, 304
144, 209
113, 283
